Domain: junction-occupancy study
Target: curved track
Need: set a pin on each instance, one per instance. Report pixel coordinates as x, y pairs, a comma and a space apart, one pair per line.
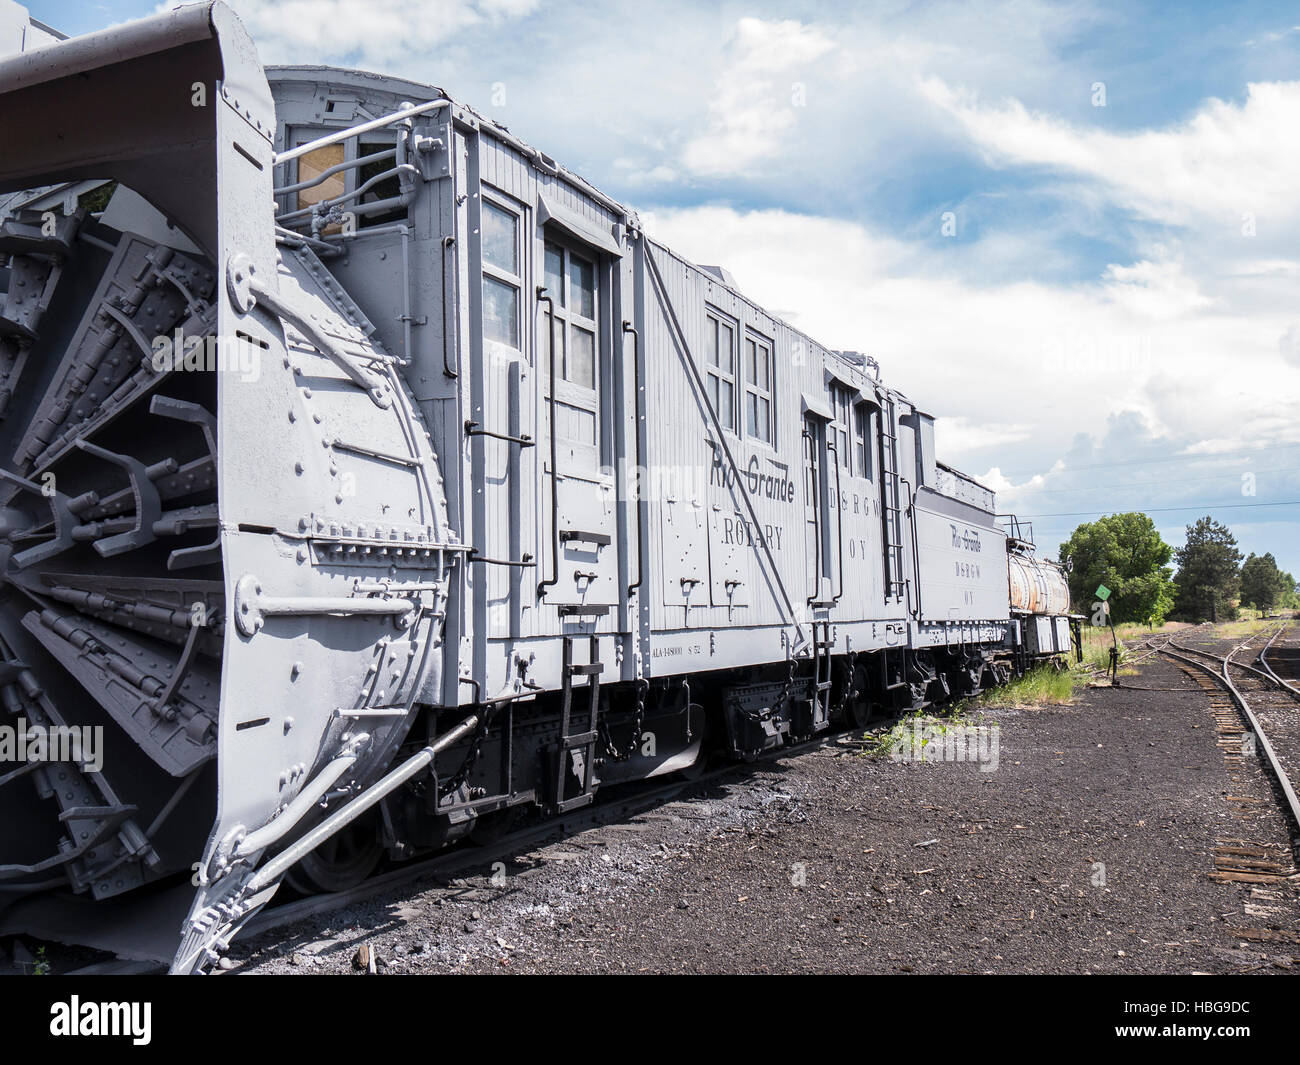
1269, 705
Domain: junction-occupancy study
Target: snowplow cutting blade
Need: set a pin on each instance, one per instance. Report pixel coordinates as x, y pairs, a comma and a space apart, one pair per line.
216, 650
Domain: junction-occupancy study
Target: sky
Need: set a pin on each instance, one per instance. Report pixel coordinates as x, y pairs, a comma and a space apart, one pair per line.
1070, 231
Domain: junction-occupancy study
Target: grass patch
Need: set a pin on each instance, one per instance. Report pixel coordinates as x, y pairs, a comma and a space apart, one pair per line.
932, 728
1043, 686
1097, 644
1096, 650
1242, 630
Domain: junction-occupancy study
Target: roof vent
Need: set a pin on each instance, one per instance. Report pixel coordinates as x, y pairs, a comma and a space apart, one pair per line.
722, 274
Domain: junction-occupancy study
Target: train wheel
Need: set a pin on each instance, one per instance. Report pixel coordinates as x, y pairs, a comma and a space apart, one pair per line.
488, 828
343, 861
858, 713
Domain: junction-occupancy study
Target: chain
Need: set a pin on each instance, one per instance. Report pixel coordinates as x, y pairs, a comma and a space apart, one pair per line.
634, 740
767, 711
471, 759
849, 689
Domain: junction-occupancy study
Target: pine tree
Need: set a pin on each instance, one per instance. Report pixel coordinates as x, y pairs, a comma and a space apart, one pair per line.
1208, 576
1261, 582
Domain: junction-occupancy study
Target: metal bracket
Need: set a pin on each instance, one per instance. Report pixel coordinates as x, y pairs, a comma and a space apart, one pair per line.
148, 503
252, 606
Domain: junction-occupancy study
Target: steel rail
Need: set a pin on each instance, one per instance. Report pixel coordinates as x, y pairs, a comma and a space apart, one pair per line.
1262, 658
1223, 677
1268, 676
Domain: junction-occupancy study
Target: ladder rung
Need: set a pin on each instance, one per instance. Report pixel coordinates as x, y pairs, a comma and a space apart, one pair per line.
580, 739
586, 671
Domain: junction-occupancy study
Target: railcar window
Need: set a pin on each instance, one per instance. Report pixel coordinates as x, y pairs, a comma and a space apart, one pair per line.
502, 281
388, 189
861, 434
311, 166
582, 285
555, 274
500, 238
842, 407
758, 388
571, 283
720, 351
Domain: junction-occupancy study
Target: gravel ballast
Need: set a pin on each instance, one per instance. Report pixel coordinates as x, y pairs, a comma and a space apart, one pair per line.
1090, 848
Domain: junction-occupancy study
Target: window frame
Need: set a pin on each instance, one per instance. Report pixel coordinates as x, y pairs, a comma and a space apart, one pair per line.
862, 437
569, 393
714, 375
762, 394
568, 316
841, 424
349, 180
501, 275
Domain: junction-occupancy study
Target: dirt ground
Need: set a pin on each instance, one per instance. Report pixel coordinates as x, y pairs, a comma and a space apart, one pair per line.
1088, 845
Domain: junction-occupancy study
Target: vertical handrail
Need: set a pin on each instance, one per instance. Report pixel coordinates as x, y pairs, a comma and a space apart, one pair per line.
817, 525
916, 551
628, 327
447, 243
839, 523
554, 579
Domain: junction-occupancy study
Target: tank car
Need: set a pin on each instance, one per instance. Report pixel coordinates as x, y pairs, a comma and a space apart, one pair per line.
370, 480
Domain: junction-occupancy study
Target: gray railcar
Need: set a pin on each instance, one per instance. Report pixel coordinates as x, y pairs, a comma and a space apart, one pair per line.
441, 495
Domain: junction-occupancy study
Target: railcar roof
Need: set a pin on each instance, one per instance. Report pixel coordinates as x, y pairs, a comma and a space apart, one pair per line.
419, 93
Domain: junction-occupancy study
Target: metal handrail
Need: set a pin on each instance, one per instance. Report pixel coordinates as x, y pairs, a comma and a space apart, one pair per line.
839, 521
817, 521
347, 164
628, 327
554, 579
355, 131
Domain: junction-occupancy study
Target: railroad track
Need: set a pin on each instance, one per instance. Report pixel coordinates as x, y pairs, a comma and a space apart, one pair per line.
1268, 704
1267, 668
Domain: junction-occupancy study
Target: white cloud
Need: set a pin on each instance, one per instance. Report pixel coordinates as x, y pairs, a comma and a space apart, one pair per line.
959, 435
1018, 369
1232, 162
1154, 290
377, 34
755, 96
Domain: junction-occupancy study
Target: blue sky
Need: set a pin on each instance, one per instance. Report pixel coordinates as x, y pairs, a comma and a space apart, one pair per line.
1109, 320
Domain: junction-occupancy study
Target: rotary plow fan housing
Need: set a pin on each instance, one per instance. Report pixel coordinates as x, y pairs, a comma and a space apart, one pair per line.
225, 547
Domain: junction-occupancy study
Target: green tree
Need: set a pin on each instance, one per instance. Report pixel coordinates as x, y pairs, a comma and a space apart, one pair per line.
1261, 582
1126, 554
1289, 599
1207, 577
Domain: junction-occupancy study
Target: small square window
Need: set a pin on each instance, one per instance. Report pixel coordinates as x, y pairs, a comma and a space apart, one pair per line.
555, 274
581, 367
500, 238
500, 311
582, 286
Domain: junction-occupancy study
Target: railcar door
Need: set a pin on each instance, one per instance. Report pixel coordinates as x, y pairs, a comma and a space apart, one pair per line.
579, 502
